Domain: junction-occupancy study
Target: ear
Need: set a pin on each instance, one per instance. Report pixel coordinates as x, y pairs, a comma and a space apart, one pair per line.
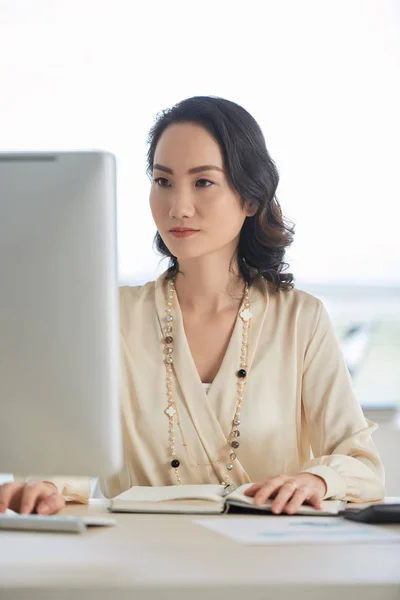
250, 208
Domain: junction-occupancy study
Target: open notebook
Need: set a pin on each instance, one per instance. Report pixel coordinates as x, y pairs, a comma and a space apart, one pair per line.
202, 499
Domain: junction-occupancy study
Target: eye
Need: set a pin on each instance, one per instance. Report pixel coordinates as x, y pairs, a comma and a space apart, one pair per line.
162, 182
203, 183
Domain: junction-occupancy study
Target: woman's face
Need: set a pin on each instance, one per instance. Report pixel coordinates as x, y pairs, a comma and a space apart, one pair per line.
196, 210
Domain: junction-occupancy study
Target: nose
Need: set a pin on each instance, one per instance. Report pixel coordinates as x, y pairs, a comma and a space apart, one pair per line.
181, 206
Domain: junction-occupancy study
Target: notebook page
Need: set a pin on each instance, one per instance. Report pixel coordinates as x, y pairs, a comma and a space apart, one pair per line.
328, 506
212, 493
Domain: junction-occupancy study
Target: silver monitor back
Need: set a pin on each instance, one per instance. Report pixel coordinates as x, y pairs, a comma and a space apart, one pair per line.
59, 358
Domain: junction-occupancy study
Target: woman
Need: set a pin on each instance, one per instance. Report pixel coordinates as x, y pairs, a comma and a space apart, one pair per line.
229, 374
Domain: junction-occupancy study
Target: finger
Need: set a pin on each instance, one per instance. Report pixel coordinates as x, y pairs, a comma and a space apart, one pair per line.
284, 495
51, 484
30, 493
316, 500
253, 489
7, 491
269, 489
50, 504
301, 494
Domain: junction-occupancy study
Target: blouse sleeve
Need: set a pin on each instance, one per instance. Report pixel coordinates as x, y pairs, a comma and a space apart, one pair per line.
340, 436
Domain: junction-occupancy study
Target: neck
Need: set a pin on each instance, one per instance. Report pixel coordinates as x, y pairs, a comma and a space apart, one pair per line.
209, 284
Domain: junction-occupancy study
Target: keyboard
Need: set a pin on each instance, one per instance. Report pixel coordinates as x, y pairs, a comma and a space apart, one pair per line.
13, 521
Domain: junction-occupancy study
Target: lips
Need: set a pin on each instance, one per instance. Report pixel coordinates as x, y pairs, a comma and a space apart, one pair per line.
182, 232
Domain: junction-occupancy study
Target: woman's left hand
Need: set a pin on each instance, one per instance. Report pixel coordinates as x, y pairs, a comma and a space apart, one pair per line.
289, 492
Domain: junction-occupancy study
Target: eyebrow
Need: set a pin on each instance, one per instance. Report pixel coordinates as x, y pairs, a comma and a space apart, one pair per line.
191, 171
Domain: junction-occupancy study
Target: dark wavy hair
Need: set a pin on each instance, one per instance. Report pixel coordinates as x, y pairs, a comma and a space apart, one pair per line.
253, 174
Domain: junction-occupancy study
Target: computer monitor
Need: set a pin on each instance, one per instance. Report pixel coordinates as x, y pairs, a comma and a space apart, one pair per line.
59, 347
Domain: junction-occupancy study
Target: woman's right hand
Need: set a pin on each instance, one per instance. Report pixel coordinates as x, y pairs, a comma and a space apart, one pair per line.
32, 496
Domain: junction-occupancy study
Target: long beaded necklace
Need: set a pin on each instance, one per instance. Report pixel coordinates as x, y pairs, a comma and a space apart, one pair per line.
172, 411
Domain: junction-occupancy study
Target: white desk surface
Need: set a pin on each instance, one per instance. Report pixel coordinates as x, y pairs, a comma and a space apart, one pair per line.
168, 557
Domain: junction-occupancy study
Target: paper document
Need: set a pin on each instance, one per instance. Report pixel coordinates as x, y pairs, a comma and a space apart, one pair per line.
298, 530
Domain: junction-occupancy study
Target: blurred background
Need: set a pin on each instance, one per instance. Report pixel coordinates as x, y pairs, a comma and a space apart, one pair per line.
321, 77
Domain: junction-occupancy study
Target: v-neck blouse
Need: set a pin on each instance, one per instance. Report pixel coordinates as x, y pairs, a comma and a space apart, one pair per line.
299, 411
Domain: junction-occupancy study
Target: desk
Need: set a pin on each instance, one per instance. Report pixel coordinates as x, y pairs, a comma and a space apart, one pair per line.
168, 557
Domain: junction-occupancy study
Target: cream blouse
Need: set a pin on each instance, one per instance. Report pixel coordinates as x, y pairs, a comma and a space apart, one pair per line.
298, 401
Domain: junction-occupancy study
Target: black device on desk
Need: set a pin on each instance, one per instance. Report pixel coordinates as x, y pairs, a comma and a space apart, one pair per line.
376, 513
